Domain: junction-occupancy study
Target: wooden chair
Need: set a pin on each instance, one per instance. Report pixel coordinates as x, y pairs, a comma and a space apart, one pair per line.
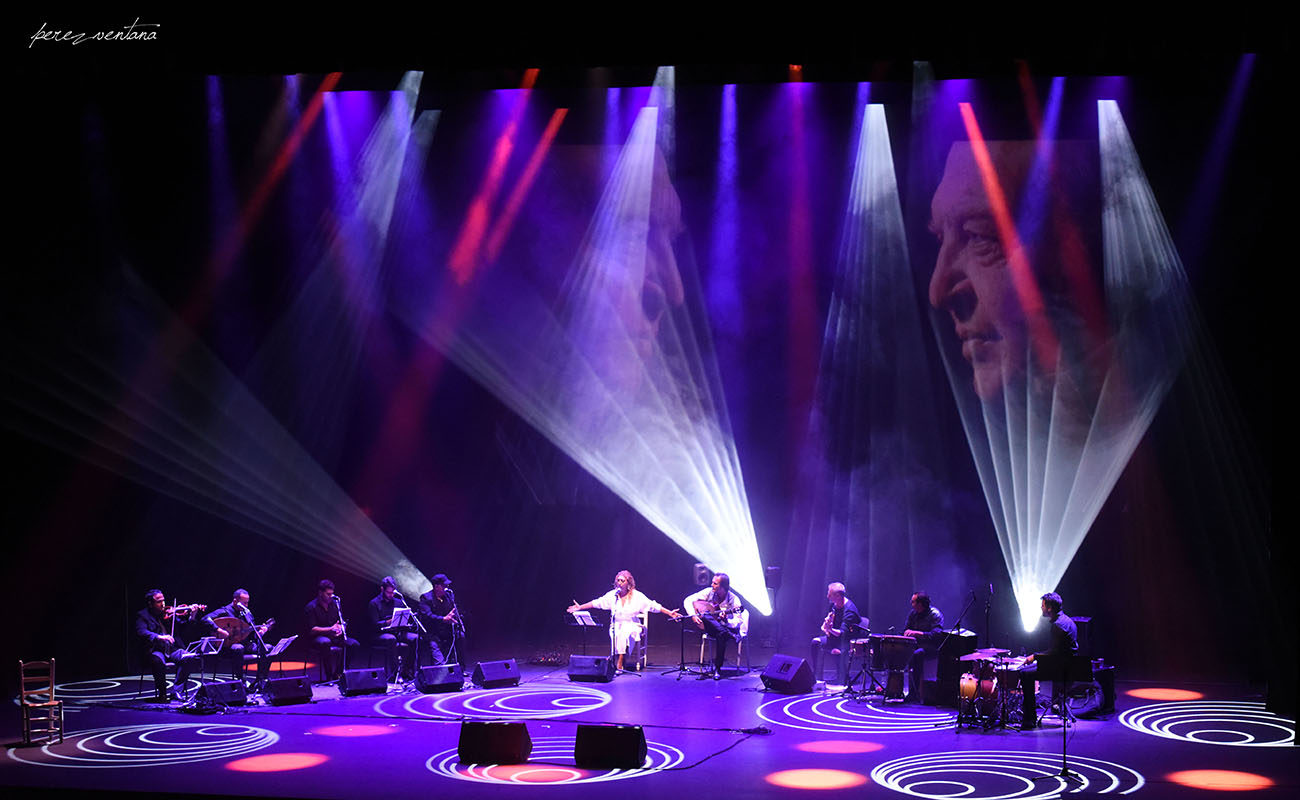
42, 712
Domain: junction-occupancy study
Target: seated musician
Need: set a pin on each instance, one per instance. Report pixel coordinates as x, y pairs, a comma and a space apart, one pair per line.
441, 619
625, 605
153, 628
248, 633
325, 624
838, 629
923, 623
381, 616
1064, 642
717, 612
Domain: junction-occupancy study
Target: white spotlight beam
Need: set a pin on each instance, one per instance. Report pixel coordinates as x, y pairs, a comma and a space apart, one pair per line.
634, 400
1050, 449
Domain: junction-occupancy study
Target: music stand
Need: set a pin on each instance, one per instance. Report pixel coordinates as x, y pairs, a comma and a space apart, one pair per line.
583, 620
274, 654
682, 668
1063, 670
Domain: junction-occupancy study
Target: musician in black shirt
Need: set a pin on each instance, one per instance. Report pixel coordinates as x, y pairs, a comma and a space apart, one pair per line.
442, 619
153, 629
838, 629
1064, 643
325, 624
923, 622
381, 614
252, 643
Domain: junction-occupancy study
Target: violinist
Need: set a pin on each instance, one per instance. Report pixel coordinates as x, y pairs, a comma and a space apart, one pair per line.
717, 610
328, 629
155, 628
838, 628
446, 629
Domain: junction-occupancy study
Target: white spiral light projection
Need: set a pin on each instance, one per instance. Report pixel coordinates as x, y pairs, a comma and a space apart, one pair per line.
517, 702
148, 746
1002, 775
1235, 724
844, 715
110, 690
607, 362
557, 751
1059, 370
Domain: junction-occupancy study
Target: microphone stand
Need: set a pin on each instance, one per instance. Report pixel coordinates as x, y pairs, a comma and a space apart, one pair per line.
419, 627
988, 609
261, 650
344, 625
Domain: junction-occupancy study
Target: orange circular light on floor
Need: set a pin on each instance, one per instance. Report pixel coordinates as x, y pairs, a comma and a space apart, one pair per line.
815, 779
277, 762
354, 730
839, 746
1220, 780
1164, 694
528, 773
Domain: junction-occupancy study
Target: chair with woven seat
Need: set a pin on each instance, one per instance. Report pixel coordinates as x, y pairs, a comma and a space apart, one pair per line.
42, 711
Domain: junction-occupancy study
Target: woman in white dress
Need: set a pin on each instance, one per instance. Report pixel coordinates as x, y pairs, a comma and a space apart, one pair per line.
625, 605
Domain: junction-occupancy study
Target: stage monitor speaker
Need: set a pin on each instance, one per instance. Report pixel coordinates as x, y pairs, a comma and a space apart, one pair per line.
494, 743
609, 747
287, 691
598, 669
224, 693
495, 674
442, 678
370, 680
788, 675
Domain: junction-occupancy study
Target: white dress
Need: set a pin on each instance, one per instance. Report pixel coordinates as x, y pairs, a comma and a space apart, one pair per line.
625, 629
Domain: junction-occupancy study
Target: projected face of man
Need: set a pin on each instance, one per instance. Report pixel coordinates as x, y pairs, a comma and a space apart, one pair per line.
971, 280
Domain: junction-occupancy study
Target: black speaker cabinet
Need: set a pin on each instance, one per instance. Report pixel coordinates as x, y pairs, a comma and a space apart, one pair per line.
442, 678
287, 691
598, 669
788, 675
370, 680
495, 674
224, 693
609, 747
494, 743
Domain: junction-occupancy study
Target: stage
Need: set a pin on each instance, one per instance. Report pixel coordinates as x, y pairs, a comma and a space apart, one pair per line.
728, 735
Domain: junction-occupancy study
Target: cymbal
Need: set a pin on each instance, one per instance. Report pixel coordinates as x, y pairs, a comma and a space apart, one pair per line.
991, 652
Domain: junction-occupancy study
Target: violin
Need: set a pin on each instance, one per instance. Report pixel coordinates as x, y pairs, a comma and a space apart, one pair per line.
182, 610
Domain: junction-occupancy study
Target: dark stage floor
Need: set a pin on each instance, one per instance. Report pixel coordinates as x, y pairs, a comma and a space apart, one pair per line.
726, 739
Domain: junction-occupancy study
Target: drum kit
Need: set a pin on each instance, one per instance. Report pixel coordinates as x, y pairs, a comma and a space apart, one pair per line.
990, 693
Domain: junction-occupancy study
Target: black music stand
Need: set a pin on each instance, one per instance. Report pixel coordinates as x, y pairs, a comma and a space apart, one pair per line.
582, 620
682, 667
1062, 671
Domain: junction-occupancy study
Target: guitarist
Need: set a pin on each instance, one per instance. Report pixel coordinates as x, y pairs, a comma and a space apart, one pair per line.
245, 639
717, 612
